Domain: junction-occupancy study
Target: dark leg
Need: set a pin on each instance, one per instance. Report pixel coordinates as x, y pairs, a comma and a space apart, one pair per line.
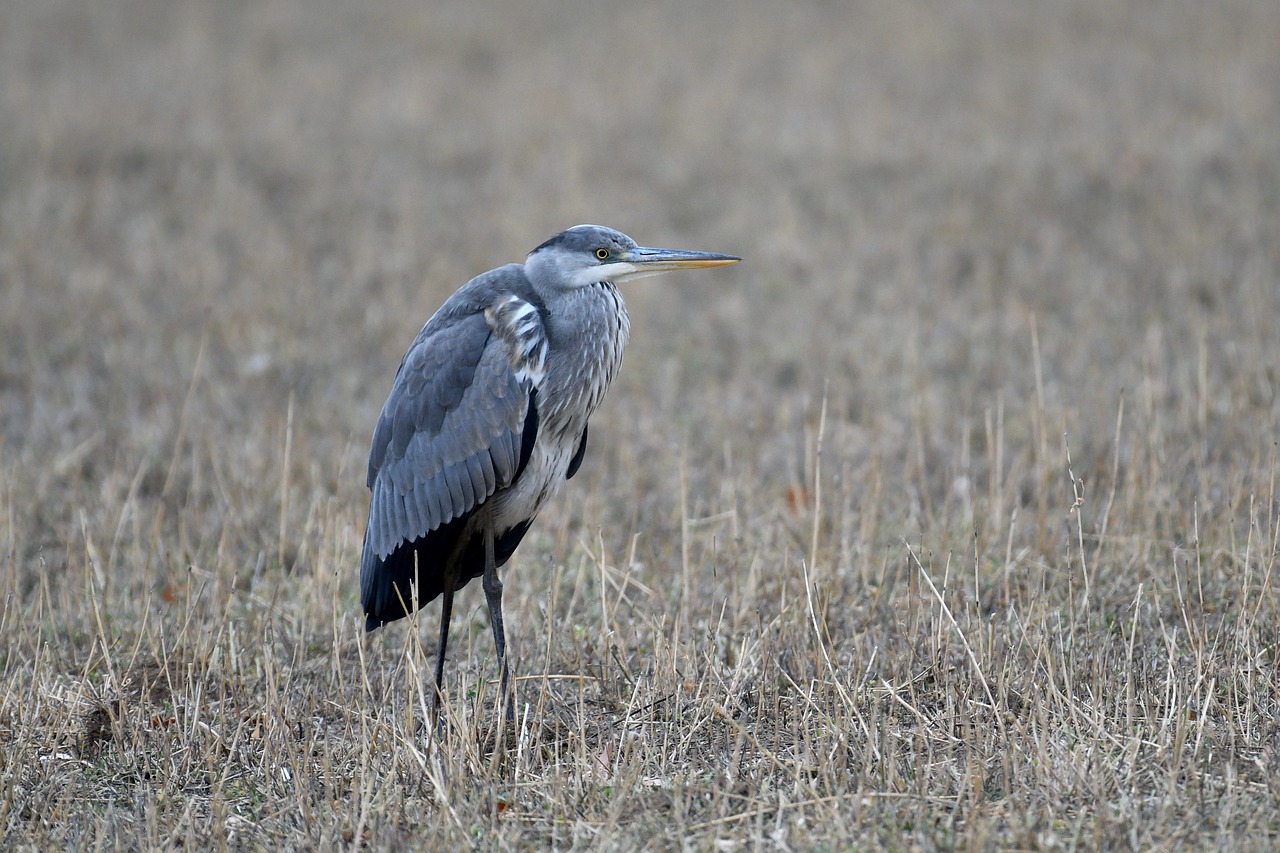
493, 595
446, 613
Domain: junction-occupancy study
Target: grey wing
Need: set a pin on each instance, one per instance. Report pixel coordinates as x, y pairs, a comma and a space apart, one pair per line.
459, 425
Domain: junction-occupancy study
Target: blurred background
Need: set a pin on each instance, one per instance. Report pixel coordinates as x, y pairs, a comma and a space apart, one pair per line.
978, 235
221, 224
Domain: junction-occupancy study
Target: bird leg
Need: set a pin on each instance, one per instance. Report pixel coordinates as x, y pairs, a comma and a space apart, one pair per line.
451, 573
493, 595
446, 613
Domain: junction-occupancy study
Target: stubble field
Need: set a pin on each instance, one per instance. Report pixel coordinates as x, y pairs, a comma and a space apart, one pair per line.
947, 519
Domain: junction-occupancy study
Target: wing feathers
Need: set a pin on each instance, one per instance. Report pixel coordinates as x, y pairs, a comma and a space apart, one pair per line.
458, 425
480, 483
485, 462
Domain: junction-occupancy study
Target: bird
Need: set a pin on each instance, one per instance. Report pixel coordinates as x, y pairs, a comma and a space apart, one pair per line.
487, 418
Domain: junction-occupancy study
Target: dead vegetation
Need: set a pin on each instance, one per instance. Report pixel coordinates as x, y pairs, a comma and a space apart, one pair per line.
948, 519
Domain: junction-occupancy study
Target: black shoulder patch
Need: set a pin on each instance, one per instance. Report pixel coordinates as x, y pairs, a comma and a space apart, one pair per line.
576, 462
530, 433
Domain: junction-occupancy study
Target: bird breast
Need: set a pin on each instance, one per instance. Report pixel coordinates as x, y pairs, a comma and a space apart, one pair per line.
586, 330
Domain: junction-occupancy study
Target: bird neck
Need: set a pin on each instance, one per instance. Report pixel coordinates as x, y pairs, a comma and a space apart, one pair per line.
588, 329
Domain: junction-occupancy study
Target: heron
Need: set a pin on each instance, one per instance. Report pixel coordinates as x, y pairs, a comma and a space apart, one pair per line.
487, 417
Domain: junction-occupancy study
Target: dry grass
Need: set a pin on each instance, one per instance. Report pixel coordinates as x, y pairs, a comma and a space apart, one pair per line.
947, 520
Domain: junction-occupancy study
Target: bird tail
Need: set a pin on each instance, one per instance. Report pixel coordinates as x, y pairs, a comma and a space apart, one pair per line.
371, 583
387, 585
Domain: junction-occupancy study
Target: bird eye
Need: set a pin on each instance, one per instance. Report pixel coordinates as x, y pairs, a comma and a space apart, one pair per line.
602, 253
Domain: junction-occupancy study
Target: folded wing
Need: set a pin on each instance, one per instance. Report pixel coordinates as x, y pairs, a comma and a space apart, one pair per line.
459, 425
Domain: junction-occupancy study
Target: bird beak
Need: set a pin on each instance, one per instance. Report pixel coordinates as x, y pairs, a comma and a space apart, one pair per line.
646, 260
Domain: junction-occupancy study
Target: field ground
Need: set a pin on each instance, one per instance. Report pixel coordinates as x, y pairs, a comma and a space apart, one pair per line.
948, 519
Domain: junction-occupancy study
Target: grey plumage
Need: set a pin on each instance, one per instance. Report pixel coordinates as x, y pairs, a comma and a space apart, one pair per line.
487, 416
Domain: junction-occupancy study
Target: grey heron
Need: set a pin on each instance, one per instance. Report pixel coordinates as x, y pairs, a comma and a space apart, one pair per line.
486, 418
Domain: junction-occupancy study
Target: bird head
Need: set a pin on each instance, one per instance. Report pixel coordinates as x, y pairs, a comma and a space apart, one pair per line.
589, 254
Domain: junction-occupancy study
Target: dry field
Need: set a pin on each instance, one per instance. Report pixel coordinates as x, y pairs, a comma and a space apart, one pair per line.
948, 519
